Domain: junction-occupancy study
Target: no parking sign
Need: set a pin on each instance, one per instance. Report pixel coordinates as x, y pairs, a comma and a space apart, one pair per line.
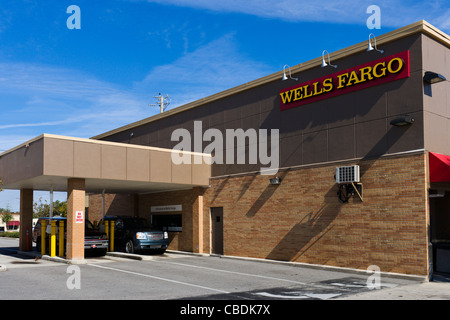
79, 217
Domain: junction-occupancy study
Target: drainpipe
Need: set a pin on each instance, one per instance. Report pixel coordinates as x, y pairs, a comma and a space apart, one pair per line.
51, 202
103, 203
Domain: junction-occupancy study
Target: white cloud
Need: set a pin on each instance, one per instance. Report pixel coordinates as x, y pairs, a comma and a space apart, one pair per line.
62, 101
51, 81
18, 125
68, 102
443, 21
394, 13
8, 141
212, 68
291, 10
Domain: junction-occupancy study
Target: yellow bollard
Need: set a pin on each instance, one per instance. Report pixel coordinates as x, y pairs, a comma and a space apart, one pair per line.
43, 233
61, 238
111, 241
107, 230
53, 239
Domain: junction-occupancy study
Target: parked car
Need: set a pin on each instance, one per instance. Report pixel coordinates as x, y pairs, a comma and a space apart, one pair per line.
134, 234
94, 240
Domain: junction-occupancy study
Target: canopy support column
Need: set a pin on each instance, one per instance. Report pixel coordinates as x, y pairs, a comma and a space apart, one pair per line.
197, 219
26, 219
75, 219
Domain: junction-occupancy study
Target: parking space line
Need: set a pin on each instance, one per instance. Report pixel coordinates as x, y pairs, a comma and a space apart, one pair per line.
233, 272
158, 278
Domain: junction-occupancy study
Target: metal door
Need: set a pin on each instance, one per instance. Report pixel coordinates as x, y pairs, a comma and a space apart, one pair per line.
217, 230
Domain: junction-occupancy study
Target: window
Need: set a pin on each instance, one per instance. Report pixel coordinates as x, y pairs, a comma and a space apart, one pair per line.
13, 225
167, 222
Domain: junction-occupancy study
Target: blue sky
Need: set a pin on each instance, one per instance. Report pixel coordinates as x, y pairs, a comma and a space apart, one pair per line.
84, 82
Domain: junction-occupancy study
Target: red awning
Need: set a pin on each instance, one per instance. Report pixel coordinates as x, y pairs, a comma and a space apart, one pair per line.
439, 167
14, 223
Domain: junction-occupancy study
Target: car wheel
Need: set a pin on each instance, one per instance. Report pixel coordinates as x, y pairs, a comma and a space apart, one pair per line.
129, 247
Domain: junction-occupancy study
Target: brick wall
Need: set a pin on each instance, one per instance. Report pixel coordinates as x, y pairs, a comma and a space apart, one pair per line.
75, 231
188, 239
115, 204
302, 219
26, 219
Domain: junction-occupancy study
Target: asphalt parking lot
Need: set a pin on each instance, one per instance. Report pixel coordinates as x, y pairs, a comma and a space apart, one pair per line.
181, 277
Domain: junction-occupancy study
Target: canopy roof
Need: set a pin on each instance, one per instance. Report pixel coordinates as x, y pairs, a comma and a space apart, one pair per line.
49, 160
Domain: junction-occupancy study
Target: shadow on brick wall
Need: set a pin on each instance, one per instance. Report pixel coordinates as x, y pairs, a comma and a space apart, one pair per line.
311, 228
315, 225
265, 195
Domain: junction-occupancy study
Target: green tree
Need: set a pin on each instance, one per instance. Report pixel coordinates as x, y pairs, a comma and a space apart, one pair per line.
42, 209
7, 217
60, 208
7, 210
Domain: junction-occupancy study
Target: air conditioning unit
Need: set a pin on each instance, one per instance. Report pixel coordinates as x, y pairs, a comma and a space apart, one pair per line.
347, 174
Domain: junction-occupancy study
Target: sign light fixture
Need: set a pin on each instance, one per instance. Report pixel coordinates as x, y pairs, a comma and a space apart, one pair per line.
370, 48
324, 64
284, 73
384, 70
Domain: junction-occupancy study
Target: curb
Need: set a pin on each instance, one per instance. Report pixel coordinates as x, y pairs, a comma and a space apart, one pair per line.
125, 255
34, 254
134, 256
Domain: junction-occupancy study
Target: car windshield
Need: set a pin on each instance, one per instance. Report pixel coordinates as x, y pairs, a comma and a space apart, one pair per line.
136, 223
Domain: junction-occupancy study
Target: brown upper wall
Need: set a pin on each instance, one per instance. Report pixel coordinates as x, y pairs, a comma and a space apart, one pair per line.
354, 125
436, 58
22, 163
50, 160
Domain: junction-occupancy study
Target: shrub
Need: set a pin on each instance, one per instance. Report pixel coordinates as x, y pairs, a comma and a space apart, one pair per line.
14, 234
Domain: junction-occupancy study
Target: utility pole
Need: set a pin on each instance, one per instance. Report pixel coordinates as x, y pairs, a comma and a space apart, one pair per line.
162, 102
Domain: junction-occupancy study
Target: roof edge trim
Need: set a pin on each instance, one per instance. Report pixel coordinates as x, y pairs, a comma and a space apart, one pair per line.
94, 141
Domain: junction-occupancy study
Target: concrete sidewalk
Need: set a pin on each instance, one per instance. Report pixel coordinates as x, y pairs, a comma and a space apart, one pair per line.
420, 291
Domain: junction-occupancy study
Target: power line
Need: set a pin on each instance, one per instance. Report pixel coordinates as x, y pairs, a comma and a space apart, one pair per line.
162, 102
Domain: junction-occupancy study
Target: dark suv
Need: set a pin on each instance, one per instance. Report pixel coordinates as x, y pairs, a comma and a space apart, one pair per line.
133, 234
95, 242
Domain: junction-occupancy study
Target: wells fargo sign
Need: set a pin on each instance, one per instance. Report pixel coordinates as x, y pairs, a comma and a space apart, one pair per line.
384, 70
